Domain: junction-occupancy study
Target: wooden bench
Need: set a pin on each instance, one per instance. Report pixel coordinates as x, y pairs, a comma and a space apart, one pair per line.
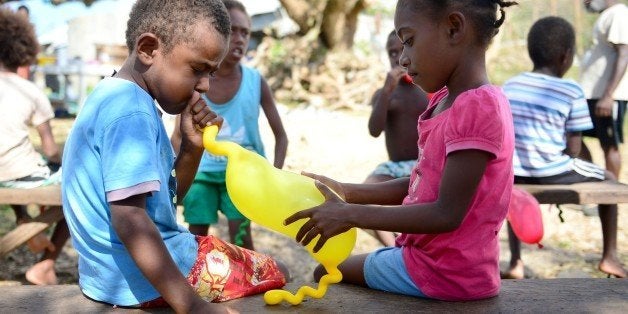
604, 192
530, 295
48, 196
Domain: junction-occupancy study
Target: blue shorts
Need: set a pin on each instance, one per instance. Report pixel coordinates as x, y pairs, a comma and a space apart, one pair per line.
395, 169
385, 270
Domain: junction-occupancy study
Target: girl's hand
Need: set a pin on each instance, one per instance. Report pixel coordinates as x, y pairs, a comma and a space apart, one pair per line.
331, 183
325, 220
194, 118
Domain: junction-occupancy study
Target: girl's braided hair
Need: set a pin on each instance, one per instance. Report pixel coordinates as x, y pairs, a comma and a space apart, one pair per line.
482, 13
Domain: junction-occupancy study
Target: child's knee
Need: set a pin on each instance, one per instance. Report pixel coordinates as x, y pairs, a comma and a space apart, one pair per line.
319, 272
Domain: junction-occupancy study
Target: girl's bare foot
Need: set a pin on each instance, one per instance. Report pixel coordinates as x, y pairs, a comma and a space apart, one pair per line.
613, 267
42, 273
515, 271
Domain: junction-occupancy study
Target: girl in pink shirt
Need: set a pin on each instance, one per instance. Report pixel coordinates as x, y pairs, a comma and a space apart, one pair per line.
456, 199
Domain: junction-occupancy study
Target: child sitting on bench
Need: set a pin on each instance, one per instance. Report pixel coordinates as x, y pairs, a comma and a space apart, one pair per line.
22, 105
549, 114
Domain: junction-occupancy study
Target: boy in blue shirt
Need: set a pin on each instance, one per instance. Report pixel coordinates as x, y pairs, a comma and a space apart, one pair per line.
121, 180
549, 114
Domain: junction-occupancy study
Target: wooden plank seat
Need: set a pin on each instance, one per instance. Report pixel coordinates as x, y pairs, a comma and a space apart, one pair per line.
48, 196
604, 192
581, 295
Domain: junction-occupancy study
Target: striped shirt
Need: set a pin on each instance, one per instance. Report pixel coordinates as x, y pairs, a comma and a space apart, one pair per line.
544, 110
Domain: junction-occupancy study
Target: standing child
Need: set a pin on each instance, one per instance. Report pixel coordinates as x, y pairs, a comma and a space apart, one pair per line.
549, 114
396, 109
456, 200
24, 105
121, 180
237, 93
604, 78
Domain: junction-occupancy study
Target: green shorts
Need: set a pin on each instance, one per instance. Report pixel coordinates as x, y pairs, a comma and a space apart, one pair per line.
206, 196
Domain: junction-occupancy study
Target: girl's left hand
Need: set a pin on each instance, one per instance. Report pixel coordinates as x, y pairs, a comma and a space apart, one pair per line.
194, 118
326, 220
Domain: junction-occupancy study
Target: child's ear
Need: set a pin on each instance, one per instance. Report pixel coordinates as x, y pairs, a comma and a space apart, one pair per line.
146, 46
566, 60
456, 26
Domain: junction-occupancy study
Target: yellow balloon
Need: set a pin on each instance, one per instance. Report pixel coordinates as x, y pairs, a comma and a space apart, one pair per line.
267, 196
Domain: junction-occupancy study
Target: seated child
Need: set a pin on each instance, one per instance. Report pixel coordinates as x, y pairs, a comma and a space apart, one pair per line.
396, 109
457, 197
237, 94
122, 181
22, 105
549, 114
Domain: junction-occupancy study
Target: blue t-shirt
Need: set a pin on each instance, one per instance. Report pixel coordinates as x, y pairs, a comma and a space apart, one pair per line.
544, 109
118, 141
241, 120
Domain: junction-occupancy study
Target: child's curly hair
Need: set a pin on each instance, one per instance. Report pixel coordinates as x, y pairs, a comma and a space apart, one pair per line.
18, 43
171, 20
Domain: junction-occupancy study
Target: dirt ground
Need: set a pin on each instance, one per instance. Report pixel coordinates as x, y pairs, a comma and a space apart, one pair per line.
337, 144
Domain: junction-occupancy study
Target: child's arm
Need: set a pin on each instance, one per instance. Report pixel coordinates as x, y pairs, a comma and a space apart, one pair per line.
391, 192
193, 119
274, 120
141, 238
381, 101
463, 171
574, 144
48, 145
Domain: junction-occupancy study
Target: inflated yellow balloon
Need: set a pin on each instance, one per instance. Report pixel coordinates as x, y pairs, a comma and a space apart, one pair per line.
267, 196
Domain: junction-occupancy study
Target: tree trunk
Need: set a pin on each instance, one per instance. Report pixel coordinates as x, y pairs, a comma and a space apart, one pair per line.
337, 19
304, 13
340, 21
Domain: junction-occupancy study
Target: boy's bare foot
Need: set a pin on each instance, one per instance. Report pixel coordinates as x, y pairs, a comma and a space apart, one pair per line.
42, 273
613, 267
39, 243
515, 271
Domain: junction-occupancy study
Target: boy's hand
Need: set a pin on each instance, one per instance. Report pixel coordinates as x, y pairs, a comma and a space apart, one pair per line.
393, 78
194, 118
326, 219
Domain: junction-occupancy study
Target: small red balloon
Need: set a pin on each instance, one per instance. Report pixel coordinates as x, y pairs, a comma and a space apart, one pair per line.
407, 78
524, 215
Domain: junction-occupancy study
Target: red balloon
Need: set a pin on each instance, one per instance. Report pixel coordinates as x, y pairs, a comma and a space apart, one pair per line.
524, 215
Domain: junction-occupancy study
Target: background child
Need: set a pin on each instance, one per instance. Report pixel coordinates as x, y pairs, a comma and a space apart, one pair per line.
23, 105
604, 78
396, 109
456, 200
121, 180
236, 95
549, 114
